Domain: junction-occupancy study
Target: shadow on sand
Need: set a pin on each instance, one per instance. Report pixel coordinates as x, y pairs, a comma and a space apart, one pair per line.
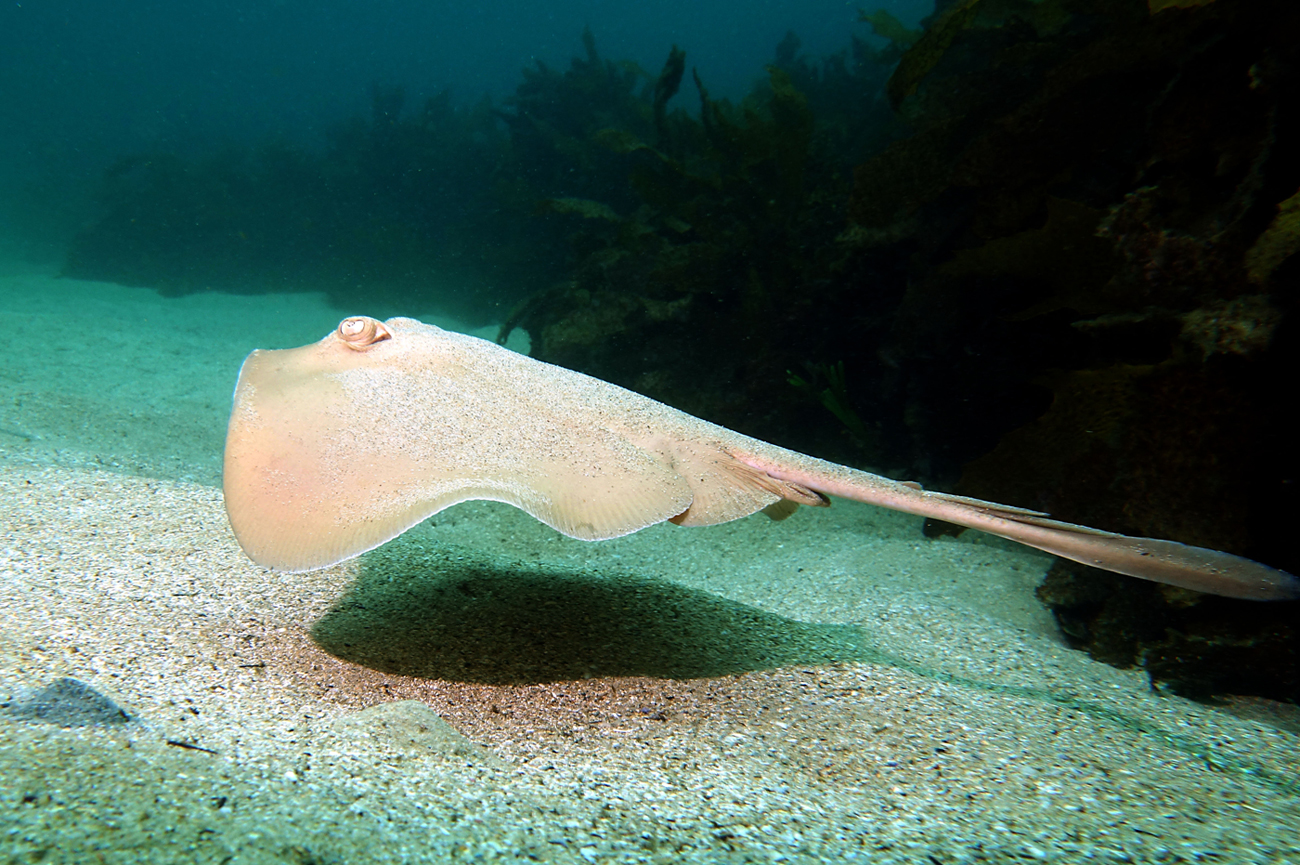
456, 614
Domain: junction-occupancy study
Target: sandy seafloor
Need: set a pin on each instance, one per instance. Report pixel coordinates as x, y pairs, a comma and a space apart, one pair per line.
830, 688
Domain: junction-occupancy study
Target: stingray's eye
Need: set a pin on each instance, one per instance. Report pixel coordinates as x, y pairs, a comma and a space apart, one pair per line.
361, 331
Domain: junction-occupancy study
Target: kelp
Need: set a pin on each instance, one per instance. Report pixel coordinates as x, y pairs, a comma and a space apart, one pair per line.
554, 120
885, 25
926, 52
666, 87
826, 384
733, 216
396, 204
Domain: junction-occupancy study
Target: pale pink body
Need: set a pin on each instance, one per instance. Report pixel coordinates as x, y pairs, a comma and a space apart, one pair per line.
339, 446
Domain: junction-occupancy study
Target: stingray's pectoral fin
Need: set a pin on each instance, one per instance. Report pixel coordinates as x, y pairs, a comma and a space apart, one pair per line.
725, 488
295, 505
598, 508
320, 466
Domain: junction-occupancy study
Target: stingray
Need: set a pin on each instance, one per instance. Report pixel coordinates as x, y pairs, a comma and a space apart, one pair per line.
337, 447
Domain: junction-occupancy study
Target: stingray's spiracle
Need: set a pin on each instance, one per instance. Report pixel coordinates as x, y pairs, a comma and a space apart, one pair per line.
361, 331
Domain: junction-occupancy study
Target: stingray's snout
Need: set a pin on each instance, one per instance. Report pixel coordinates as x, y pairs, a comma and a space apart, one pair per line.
359, 332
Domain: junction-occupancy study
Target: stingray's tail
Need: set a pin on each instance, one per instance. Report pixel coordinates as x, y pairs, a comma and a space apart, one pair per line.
1197, 568
1177, 564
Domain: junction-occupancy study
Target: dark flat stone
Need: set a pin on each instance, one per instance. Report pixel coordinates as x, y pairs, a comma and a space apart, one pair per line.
68, 703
